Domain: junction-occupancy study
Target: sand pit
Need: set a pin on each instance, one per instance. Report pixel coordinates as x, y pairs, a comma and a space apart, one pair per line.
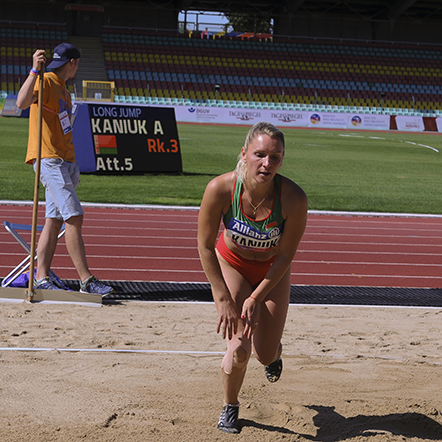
350, 374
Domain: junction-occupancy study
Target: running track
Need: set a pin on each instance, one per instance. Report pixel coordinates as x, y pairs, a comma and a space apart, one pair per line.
158, 244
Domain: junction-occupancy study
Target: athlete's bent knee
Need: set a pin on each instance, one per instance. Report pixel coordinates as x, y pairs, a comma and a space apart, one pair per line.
240, 355
235, 358
266, 358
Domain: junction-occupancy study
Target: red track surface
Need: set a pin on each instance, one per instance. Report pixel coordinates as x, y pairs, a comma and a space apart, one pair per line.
160, 245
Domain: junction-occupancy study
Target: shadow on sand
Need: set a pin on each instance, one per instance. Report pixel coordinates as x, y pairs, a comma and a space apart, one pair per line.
332, 427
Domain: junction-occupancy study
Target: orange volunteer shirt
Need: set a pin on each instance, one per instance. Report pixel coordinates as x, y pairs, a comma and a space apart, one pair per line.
55, 144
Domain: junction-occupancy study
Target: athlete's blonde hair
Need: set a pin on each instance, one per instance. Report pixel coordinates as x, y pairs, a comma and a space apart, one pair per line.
261, 128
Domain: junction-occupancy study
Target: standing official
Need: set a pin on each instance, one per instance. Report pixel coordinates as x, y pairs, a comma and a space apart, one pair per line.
60, 173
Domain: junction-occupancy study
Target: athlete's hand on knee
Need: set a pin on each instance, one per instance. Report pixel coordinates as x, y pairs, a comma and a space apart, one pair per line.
227, 318
250, 316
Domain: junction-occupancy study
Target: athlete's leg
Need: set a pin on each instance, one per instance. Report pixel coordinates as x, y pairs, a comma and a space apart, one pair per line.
234, 364
273, 312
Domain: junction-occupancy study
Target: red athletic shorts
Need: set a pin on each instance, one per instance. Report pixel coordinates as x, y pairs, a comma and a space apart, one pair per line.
253, 271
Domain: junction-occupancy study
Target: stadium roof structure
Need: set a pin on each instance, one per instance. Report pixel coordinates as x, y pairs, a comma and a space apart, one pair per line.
372, 10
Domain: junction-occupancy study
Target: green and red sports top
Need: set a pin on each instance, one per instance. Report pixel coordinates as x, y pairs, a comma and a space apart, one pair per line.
254, 235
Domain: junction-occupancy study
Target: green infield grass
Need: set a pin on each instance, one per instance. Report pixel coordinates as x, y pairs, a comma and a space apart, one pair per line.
339, 170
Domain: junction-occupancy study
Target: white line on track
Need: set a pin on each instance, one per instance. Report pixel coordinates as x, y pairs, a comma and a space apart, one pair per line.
361, 252
296, 260
194, 208
357, 275
371, 244
366, 263
295, 274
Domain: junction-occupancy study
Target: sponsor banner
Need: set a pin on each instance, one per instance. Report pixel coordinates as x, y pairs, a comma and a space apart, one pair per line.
439, 124
220, 115
409, 123
195, 114
282, 118
368, 121
126, 139
327, 120
246, 116
288, 118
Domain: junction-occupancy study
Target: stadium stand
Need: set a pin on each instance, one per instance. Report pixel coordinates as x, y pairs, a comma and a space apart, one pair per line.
18, 41
296, 73
247, 71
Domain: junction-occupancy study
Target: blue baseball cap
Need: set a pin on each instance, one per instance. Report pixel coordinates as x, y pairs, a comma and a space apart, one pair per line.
62, 54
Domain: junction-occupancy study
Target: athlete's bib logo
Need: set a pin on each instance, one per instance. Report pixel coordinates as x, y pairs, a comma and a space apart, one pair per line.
250, 238
274, 232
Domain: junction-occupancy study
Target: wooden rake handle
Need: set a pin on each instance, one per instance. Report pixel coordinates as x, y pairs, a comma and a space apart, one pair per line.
30, 292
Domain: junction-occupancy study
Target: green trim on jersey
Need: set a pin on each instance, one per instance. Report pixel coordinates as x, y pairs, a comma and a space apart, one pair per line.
254, 235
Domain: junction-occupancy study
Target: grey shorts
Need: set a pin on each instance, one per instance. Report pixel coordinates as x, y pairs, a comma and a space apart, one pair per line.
60, 179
